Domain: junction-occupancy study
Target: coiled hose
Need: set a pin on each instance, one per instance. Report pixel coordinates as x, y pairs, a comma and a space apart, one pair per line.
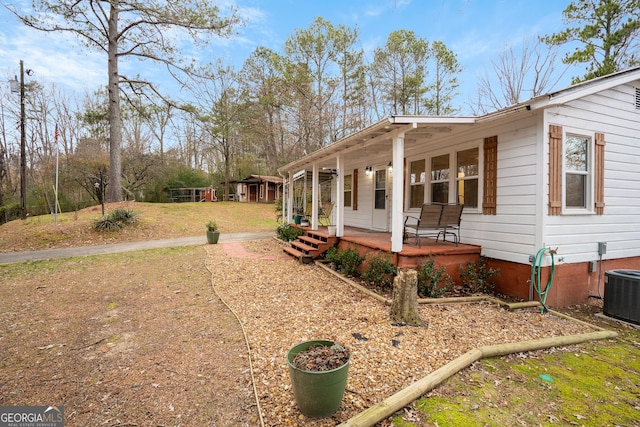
536, 272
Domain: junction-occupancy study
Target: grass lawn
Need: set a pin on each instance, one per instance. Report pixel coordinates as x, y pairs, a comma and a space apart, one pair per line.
155, 221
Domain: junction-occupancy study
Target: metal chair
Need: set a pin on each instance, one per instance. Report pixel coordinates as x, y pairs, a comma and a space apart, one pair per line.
450, 222
426, 225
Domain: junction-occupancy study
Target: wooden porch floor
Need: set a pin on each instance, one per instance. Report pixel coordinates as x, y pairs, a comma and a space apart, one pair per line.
447, 253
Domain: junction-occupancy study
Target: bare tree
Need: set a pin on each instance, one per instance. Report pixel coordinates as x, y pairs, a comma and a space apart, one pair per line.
526, 73
220, 106
128, 28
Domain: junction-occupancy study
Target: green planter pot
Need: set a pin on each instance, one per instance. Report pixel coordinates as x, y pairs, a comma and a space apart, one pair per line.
297, 219
212, 237
318, 394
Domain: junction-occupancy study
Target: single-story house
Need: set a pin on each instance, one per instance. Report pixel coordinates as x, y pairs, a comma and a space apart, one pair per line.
258, 189
559, 171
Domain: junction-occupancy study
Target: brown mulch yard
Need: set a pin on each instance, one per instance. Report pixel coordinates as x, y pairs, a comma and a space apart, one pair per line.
143, 339
282, 302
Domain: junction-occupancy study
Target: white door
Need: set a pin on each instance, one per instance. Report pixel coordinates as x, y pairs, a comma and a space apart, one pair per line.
380, 199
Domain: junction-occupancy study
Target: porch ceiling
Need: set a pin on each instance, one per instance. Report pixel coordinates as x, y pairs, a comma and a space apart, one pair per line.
377, 138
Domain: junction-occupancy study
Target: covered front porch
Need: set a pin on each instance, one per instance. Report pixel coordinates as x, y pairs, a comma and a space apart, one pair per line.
369, 242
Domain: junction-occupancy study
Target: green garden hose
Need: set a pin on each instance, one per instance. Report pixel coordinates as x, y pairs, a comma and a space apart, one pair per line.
536, 271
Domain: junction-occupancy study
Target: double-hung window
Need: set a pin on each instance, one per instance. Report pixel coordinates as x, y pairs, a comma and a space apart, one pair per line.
467, 177
348, 190
577, 172
417, 180
440, 179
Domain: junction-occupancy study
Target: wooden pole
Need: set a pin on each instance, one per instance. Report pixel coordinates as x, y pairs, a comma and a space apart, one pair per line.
404, 397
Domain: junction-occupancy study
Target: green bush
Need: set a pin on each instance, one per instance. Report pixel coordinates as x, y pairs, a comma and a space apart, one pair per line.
10, 211
380, 272
432, 281
347, 261
331, 255
115, 220
476, 277
288, 233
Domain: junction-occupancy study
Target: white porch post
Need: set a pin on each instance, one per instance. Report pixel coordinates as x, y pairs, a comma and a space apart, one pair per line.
314, 197
290, 199
397, 208
339, 205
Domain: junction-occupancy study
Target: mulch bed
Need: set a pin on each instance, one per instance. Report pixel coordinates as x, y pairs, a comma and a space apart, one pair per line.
282, 302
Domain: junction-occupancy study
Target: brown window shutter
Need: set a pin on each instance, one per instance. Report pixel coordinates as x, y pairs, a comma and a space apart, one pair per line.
354, 189
555, 169
599, 174
490, 176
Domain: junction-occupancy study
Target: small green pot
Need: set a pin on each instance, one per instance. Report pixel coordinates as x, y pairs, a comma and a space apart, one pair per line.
318, 394
212, 237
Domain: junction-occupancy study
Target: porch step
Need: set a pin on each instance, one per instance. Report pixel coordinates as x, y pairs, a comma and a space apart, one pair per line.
310, 245
304, 248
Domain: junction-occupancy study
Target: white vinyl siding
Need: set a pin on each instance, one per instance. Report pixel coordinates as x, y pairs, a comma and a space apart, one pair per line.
611, 112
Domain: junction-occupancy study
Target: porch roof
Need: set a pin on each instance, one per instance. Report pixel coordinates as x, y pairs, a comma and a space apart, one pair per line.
381, 133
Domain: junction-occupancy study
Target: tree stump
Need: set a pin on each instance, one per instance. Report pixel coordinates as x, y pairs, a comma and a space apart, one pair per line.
404, 308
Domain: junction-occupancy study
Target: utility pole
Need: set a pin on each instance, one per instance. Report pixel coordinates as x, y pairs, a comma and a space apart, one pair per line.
18, 87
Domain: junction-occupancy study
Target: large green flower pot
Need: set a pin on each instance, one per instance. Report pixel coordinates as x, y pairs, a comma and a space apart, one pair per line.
212, 237
318, 394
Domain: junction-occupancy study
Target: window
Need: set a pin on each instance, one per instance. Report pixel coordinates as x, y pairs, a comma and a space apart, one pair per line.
262, 190
467, 177
380, 189
440, 179
576, 172
417, 179
348, 190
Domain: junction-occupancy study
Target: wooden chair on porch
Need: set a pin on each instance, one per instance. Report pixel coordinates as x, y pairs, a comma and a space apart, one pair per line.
435, 219
450, 222
426, 225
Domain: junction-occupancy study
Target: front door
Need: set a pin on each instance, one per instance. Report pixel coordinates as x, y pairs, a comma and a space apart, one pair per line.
380, 198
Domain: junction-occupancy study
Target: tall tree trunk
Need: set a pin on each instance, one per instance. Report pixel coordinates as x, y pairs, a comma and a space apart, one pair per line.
115, 121
404, 308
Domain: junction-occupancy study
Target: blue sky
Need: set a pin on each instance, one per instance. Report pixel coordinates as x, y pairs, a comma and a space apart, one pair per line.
476, 30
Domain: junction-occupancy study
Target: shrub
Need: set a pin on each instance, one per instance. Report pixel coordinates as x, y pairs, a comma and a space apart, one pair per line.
288, 233
331, 255
347, 261
124, 216
380, 271
477, 277
115, 220
432, 281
